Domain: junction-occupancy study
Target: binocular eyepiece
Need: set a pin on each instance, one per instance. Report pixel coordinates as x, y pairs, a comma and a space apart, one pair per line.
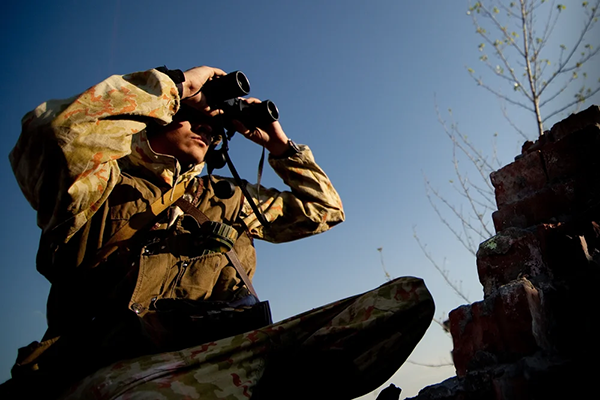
224, 92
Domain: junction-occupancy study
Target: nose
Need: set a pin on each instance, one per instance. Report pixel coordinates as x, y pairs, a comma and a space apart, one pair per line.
200, 128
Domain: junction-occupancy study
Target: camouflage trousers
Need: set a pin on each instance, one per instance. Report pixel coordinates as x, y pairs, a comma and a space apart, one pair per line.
341, 351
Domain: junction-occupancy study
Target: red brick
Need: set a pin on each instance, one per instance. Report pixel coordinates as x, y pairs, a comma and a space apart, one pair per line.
565, 247
519, 179
509, 324
574, 155
508, 255
548, 203
576, 122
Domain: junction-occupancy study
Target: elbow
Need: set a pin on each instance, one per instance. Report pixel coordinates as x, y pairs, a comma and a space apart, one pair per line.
340, 217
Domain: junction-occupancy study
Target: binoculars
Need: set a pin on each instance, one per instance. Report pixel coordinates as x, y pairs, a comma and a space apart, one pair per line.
224, 92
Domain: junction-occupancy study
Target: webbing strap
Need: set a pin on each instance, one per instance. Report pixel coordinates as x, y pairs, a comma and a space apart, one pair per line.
137, 222
199, 216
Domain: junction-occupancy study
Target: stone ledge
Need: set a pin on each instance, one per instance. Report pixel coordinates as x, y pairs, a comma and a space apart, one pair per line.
537, 377
510, 254
507, 325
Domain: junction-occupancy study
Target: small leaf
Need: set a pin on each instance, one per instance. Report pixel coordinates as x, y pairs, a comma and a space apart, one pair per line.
561, 7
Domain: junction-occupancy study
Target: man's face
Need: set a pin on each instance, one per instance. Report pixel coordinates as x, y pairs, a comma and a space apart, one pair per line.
187, 138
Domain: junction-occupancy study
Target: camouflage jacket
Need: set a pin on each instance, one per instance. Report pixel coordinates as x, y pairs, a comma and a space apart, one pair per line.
85, 166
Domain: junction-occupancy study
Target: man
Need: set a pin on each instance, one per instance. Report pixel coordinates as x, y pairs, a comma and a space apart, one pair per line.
93, 165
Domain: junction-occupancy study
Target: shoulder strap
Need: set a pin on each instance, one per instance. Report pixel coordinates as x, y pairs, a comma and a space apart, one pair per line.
137, 222
189, 208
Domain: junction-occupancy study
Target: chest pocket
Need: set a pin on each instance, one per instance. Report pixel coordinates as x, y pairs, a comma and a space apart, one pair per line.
197, 276
193, 272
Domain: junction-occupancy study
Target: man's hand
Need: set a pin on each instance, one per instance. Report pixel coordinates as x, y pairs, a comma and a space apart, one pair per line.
272, 137
195, 78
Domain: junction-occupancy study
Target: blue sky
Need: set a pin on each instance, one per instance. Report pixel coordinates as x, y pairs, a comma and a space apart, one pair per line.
357, 81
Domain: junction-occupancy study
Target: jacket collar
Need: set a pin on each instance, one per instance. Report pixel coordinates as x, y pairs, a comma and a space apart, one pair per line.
162, 167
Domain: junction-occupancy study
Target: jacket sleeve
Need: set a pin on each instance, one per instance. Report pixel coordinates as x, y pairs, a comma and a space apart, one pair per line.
65, 160
311, 206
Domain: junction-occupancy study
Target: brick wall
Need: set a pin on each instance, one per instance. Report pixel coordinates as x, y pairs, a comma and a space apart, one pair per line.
533, 336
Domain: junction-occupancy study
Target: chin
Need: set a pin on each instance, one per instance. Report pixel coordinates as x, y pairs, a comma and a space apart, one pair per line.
196, 160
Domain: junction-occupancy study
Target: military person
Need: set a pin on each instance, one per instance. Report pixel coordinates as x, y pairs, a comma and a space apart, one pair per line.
95, 166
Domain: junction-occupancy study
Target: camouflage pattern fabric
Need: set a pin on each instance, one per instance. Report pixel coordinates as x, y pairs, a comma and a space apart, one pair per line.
74, 154
71, 153
352, 346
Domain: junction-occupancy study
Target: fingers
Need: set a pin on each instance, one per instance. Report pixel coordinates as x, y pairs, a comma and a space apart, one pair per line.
254, 134
250, 100
195, 78
199, 75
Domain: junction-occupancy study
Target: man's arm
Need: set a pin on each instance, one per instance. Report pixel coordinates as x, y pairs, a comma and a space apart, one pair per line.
311, 206
66, 157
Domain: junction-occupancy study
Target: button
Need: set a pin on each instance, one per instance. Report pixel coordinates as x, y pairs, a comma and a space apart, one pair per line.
185, 264
137, 308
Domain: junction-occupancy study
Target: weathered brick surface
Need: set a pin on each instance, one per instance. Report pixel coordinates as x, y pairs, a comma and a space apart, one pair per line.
507, 256
507, 325
575, 122
567, 249
536, 377
519, 179
576, 154
576, 199
557, 176
535, 332
552, 203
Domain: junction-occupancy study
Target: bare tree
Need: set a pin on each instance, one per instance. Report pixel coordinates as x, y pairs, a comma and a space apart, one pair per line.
526, 68
520, 35
525, 71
